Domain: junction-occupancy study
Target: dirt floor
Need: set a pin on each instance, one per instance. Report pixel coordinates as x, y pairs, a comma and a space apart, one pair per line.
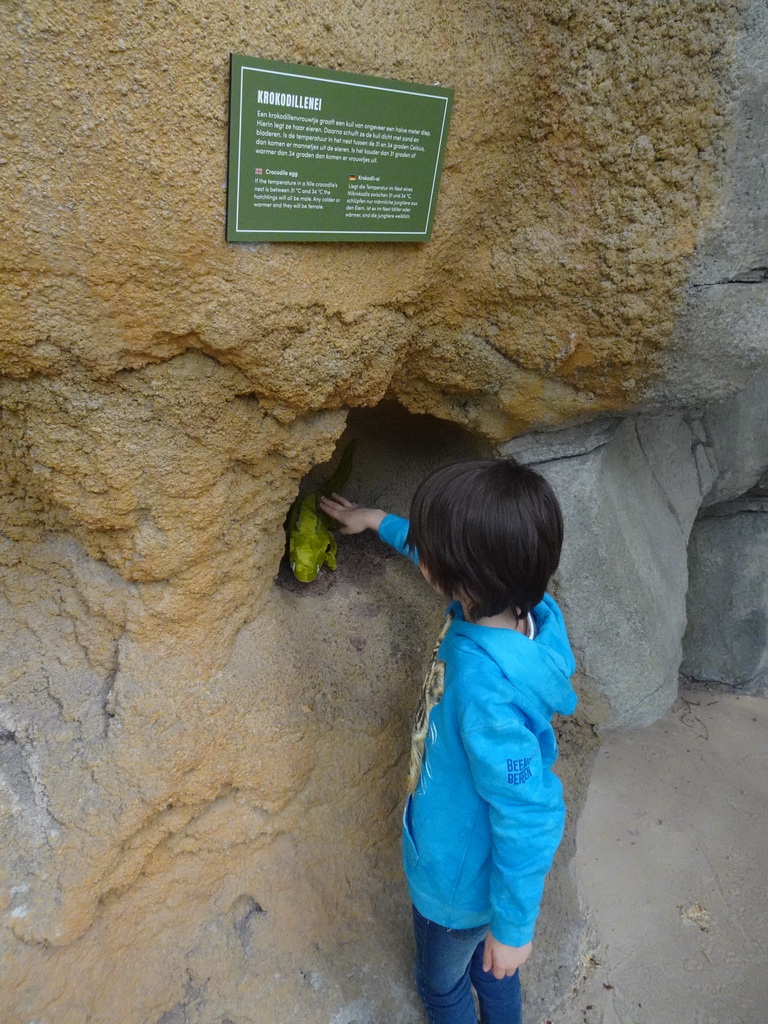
671, 869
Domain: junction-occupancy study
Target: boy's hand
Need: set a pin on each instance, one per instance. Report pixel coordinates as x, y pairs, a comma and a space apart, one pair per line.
502, 961
353, 518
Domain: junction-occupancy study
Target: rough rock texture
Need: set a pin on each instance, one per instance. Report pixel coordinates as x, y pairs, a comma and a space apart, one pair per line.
201, 767
720, 336
236, 830
587, 144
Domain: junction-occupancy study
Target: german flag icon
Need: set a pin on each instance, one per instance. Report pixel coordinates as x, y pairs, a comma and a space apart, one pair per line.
353, 177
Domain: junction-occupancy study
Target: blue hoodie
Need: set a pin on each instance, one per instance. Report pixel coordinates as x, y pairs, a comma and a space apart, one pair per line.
482, 827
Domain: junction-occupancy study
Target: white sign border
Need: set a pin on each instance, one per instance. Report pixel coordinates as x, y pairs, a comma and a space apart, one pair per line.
333, 81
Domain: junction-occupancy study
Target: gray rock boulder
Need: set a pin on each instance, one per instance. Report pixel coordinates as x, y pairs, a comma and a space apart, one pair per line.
727, 635
736, 433
630, 494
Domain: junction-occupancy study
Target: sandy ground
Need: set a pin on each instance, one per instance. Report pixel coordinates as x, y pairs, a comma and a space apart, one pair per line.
672, 869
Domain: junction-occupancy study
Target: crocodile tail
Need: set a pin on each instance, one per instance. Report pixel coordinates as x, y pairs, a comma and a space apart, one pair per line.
341, 474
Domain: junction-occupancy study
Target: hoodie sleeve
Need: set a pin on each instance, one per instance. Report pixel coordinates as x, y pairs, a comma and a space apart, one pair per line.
394, 530
526, 812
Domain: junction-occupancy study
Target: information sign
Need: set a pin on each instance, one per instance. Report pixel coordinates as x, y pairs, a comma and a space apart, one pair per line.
320, 155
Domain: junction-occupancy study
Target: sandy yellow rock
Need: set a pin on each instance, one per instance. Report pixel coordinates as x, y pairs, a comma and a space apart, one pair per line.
203, 768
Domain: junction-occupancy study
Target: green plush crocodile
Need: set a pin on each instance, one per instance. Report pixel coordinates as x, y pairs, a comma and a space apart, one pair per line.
311, 545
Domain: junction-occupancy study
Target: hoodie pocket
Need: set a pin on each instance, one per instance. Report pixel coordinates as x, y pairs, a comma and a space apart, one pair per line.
410, 853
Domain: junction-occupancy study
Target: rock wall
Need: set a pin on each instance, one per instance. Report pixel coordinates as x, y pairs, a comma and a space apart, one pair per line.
201, 761
719, 335
726, 640
633, 490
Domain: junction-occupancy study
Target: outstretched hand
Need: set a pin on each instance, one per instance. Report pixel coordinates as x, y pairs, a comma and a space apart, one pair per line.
353, 518
502, 961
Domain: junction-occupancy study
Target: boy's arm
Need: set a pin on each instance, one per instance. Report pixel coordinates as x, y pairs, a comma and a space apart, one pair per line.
394, 530
526, 812
354, 519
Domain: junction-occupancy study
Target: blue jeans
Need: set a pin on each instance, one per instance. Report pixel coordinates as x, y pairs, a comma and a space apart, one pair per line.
449, 963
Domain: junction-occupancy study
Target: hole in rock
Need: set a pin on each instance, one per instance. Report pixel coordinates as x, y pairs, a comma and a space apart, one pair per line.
354, 639
394, 450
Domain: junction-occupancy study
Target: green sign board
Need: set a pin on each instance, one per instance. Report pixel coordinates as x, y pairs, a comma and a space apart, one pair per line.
325, 156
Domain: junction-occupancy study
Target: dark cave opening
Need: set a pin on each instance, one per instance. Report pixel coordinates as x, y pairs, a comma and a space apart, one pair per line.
395, 449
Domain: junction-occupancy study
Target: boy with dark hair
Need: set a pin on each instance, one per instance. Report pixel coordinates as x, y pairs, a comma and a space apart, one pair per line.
485, 812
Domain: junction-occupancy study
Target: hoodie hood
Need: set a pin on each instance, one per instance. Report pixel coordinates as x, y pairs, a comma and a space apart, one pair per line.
545, 664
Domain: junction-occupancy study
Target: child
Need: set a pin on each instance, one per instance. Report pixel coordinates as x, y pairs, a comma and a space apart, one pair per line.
485, 812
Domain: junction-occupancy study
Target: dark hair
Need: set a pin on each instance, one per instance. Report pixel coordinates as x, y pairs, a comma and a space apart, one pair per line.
488, 531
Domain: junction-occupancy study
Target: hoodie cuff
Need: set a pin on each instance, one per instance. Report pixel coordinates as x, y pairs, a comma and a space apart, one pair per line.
510, 934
